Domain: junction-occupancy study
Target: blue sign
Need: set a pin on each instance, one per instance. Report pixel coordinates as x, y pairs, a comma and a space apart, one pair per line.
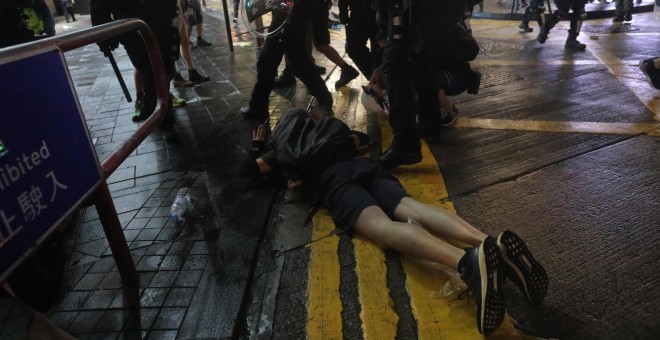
48, 165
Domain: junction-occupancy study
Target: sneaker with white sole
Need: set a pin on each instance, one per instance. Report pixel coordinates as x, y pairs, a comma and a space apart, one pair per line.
527, 273
480, 270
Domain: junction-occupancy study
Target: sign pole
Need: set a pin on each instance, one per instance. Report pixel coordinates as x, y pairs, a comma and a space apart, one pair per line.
113, 231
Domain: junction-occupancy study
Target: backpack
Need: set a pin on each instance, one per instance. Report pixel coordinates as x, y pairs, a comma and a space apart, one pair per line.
305, 148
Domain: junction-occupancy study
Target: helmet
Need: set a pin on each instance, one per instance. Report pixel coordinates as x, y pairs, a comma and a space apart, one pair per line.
371, 103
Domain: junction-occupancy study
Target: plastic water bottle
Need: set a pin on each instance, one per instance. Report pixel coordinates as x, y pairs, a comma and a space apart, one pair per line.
180, 205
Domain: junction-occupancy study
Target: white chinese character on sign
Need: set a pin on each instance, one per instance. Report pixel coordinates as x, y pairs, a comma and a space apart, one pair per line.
6, 230
56, 184
30, 203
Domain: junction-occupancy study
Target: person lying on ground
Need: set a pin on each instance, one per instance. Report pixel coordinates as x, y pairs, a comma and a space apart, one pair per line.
362, 196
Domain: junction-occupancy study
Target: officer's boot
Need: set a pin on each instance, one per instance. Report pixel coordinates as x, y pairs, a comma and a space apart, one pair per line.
571, 42
551, 19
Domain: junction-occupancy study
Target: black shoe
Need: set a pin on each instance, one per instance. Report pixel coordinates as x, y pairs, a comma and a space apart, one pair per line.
202, 43
628, 16
448, 117
249, 113
474, 82
320, 69
479, 269
618, 18
525, 27
523, 269
652, 74
196, 77
179, 81
284, 79
543, 35
348, 73
573, 44
392, 158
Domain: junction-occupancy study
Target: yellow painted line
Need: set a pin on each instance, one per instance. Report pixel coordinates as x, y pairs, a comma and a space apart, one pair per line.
379, 320
648, 95
555, 126
324, 303
437, 317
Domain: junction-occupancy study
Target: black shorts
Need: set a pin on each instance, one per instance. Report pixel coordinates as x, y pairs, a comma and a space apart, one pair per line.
196, 16
352, 186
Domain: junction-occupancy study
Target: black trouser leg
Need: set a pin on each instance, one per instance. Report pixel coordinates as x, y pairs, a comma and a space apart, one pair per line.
139, 56
73, 16
294, 45
357, 35
396, 70
427, 94
269, 60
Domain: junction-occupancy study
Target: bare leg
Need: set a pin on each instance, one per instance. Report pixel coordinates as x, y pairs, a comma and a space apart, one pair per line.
185, 44
331, 54
139, 88
406, 238
198, 27
441, 222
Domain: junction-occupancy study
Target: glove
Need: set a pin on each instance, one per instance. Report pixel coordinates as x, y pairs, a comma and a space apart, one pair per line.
343, 17
258, 141
257, 148
108, 45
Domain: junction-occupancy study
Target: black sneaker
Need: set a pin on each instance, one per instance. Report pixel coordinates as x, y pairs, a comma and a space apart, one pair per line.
284, 79
348, 73
479, 269
618, 18
628, 16
523, 269
252, 114
202, 43
474, 81
525, 27
392, 158
447, 118
320, 69
652, 74
197, 77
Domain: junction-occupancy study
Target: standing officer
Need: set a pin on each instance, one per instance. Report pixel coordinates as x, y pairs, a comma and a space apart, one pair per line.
287, 34
576, 17
361, 27
420, 38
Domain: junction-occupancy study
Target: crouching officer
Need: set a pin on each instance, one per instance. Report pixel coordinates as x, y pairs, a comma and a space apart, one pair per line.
162, 17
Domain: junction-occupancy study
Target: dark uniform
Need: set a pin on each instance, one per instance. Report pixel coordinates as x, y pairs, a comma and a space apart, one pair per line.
419, 42
290, 39
361, 27
12, 28
576, 16
159, 15
533, 12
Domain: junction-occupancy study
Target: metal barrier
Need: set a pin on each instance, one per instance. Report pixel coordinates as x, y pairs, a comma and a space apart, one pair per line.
101, 196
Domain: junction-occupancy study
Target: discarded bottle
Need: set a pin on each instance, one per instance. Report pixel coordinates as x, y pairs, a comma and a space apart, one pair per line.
180, 205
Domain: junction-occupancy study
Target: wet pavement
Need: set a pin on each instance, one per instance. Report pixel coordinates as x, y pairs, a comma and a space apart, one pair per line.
558, 146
